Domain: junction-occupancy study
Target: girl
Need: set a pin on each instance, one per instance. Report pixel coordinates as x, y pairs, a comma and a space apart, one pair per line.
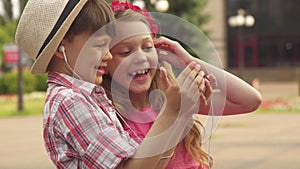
133, 68
130, 70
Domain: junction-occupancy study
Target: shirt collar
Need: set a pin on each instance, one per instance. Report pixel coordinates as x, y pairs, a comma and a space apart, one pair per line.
73, 83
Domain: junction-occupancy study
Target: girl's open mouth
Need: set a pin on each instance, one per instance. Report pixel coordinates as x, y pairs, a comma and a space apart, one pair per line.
140, 74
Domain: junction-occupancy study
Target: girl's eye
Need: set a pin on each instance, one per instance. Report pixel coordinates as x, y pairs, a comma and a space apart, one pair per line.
148, 48
124, 53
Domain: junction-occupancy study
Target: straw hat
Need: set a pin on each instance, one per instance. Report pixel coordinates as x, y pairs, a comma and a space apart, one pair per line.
42, 27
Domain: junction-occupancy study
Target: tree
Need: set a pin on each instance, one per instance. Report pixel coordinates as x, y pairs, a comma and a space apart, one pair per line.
8, 10
8, 25
22, 4
190, 10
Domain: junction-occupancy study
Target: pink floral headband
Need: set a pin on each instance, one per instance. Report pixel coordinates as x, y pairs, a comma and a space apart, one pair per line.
118, 6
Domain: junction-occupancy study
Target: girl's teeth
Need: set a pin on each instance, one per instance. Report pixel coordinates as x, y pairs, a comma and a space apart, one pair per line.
140, 72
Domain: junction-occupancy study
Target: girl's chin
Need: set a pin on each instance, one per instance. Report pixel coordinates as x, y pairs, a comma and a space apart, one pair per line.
139, 89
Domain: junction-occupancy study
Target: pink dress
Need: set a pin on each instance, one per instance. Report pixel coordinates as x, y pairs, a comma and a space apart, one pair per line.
180, 160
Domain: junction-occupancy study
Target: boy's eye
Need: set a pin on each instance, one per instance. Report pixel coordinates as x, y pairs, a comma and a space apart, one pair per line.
101, 44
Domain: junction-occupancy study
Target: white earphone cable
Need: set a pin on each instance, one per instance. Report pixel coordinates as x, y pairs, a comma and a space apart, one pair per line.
62, 49
211, 133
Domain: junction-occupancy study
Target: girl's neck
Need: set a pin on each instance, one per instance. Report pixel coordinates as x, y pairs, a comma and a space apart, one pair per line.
139, 101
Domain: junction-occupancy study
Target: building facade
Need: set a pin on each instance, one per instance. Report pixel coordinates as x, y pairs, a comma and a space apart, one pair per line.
272, 43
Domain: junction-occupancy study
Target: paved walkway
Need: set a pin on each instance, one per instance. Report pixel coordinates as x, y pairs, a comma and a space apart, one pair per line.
257, 141
249, 141
21, 144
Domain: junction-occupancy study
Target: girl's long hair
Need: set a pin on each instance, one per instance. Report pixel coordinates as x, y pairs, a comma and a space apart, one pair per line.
192, 140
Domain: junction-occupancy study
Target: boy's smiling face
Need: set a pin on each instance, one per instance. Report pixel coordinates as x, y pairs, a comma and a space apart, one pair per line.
88, 56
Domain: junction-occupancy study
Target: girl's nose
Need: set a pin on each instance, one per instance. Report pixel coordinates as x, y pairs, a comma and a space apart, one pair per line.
139, 57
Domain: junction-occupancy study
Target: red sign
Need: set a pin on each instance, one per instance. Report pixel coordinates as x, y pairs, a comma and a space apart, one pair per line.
11, 54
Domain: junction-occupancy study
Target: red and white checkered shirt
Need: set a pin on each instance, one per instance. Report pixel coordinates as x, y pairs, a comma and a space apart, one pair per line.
81, 128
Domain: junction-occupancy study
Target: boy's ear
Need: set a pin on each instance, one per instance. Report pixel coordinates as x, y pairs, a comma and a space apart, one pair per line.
58, 53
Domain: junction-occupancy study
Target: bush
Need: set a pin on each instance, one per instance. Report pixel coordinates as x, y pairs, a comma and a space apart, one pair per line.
6, 85
41, 84
9, 82
29, 82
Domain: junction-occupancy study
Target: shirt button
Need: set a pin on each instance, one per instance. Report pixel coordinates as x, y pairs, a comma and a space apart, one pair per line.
97, 90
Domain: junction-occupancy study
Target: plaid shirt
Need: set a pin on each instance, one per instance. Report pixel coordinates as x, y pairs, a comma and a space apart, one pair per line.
81, 129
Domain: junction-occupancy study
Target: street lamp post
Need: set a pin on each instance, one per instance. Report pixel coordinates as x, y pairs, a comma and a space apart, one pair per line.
160, 5
20, 82
240, 20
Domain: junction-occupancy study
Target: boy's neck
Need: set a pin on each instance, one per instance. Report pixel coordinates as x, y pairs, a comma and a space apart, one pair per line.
58, 65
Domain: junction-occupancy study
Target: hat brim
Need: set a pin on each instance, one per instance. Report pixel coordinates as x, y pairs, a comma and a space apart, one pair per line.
41, 63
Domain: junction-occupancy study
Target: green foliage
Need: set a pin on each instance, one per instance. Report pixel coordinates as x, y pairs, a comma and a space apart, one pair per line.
9, 82
190, 10
33, 105
189, 31
29, 82
41, 84
7, 34
8, 24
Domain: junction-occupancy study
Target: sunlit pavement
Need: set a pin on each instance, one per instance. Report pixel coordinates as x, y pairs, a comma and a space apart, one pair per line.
21, 144
257, 141
249, 141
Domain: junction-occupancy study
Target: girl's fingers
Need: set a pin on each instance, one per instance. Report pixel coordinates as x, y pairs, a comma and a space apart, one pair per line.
162, 42
200, 81
166, 55
208, 90
203, 99
194, 75
213, 80
185, 73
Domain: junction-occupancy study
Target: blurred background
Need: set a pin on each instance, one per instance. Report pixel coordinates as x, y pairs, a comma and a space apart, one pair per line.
257, 40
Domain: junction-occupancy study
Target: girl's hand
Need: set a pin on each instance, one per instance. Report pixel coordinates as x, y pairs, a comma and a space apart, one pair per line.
172, 52
185, 93
209, 82
191, 83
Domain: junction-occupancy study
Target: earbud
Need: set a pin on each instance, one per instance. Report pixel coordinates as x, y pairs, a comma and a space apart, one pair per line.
62, 49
